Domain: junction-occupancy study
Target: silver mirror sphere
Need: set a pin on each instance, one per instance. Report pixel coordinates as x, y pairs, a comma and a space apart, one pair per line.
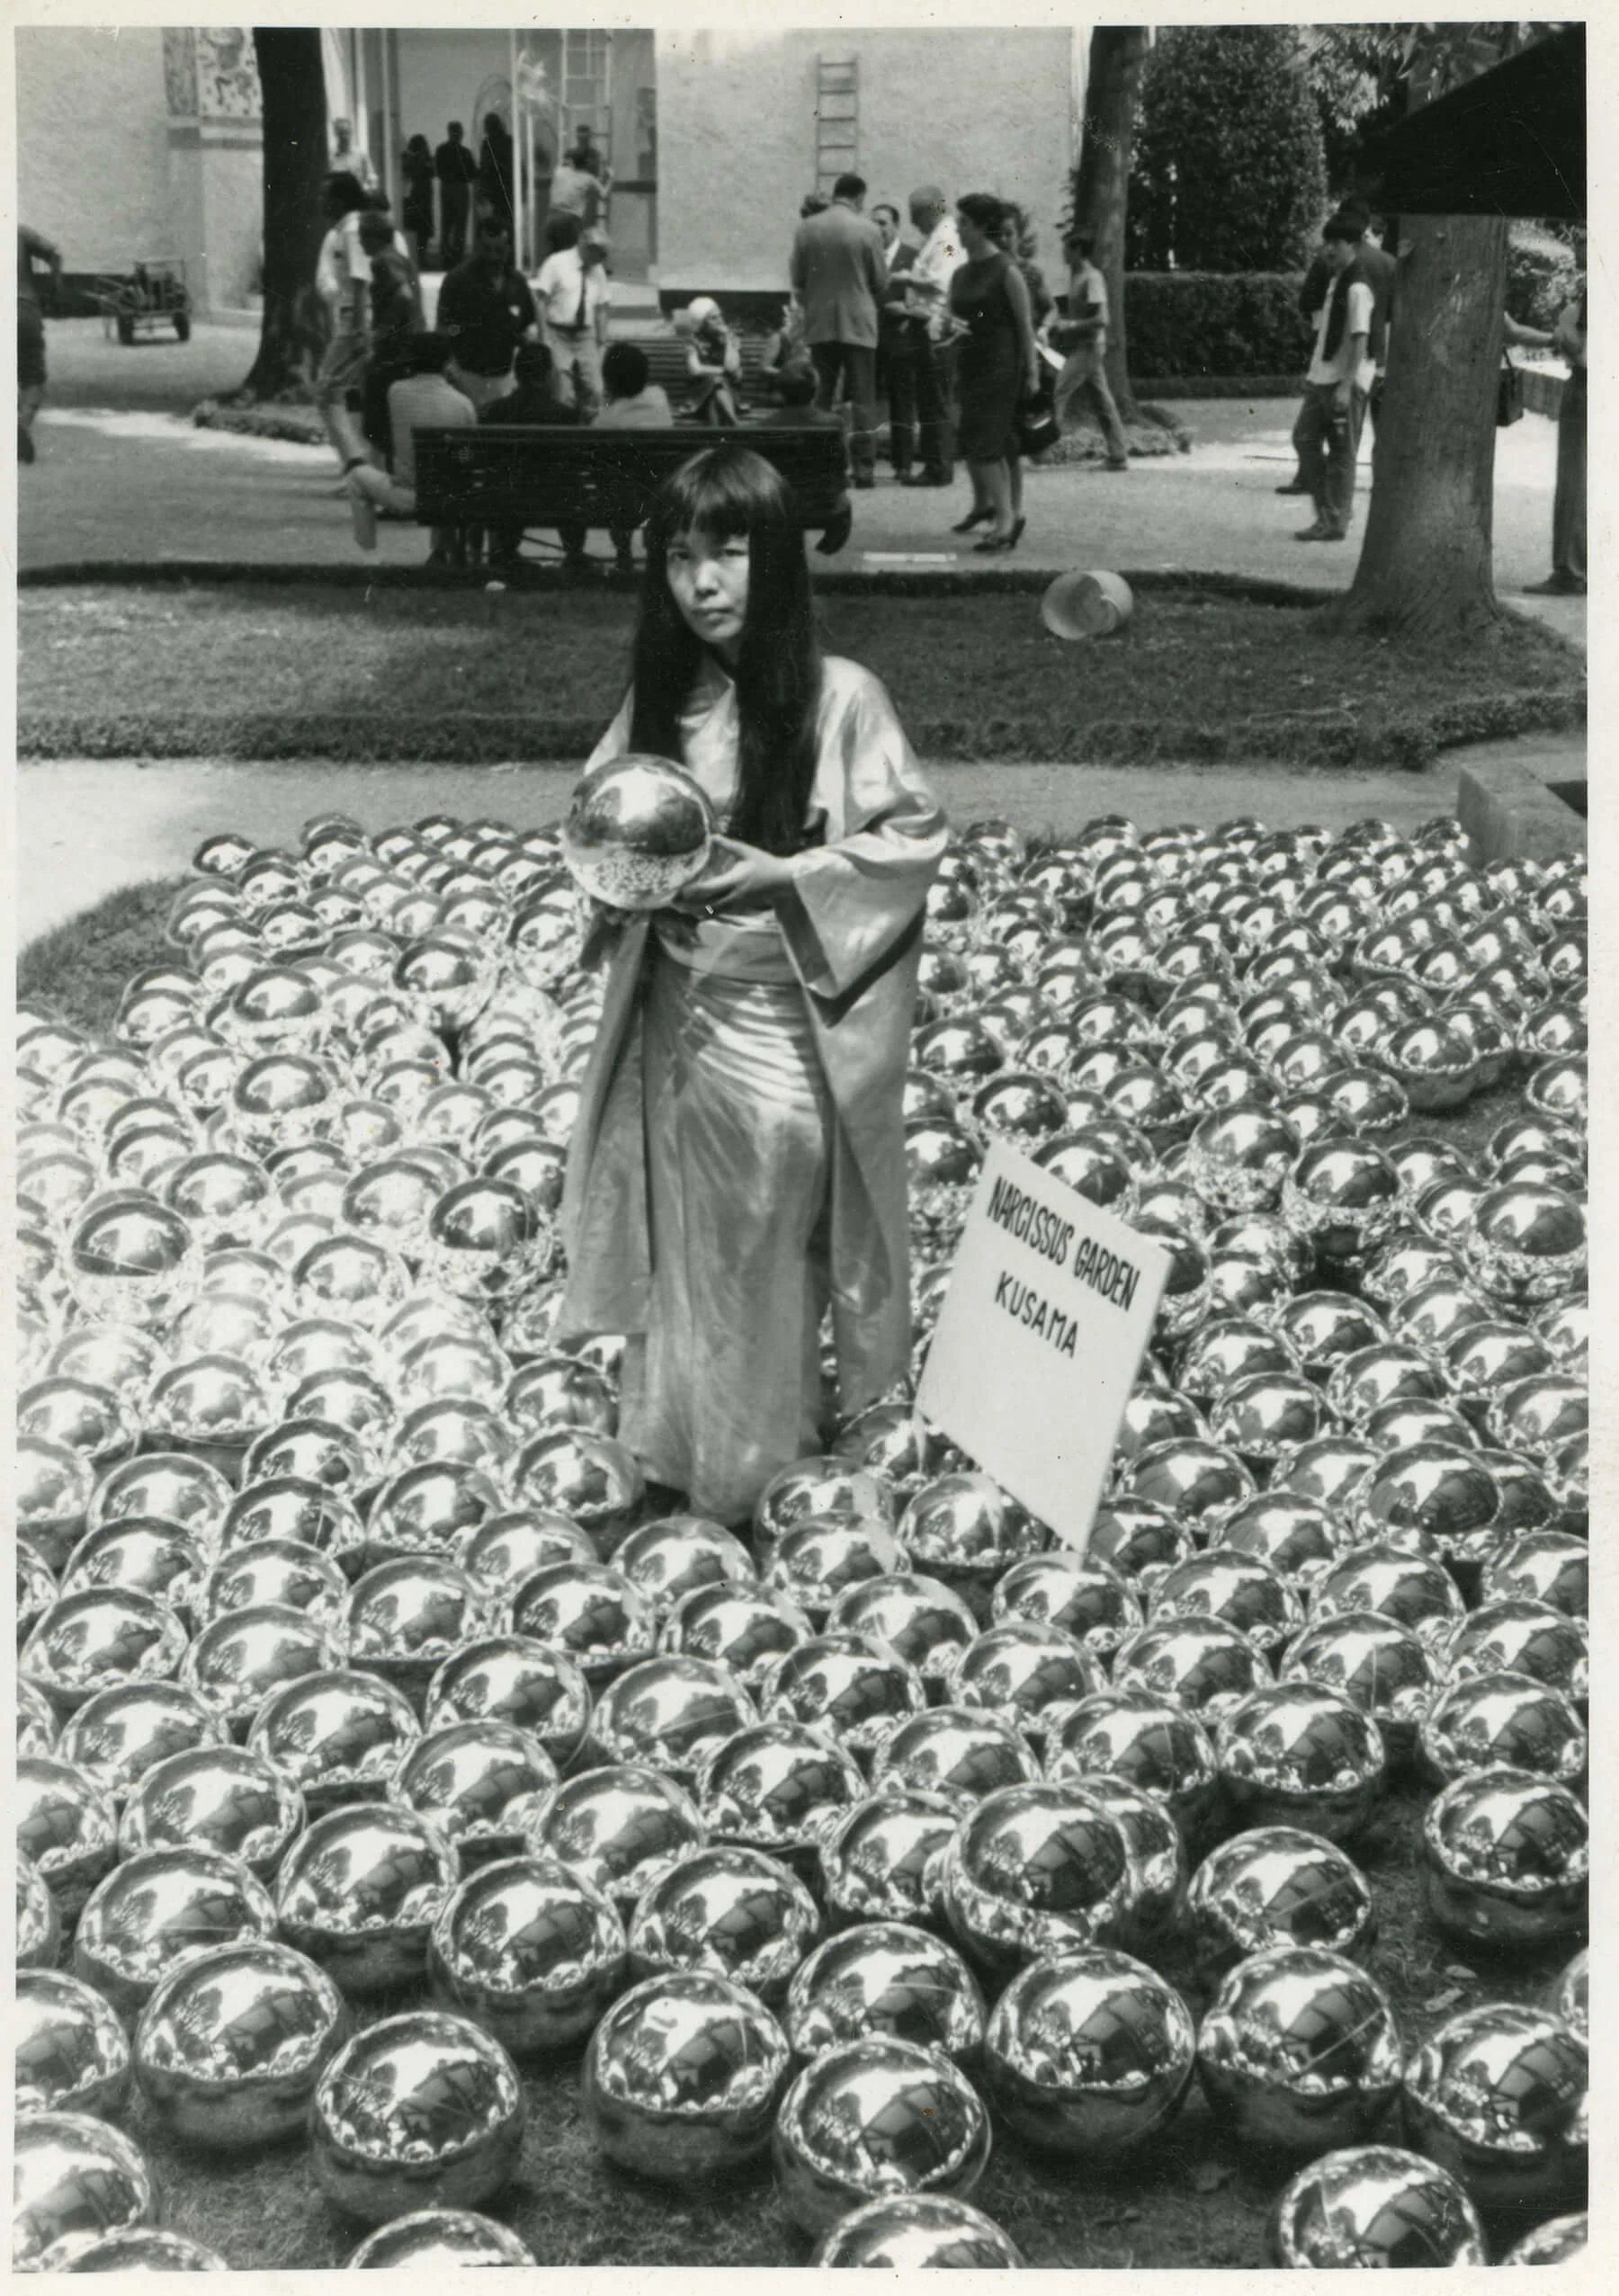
231, 2043
1087, 2054
872, 2118
1375, 2207
917, 2232
420, 2108
1300, 2051
682, 2077
531, 1952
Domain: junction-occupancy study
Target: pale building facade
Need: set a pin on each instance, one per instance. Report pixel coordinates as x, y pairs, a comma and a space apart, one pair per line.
148, 142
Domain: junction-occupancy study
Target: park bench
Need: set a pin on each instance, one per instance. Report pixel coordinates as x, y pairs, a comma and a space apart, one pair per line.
550, 475
666, 357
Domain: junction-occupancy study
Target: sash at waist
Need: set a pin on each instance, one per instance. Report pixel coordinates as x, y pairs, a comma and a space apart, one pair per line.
748, 949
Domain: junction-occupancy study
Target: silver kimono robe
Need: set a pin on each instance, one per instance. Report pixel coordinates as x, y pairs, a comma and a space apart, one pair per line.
739, 1159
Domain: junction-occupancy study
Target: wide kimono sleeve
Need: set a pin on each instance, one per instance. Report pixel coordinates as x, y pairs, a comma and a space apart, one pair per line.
855, 899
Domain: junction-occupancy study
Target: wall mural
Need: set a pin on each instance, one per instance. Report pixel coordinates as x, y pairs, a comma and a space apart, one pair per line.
180, 74
227, 80
211, 73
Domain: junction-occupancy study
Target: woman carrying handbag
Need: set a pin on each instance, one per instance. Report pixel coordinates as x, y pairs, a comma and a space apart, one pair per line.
998, 371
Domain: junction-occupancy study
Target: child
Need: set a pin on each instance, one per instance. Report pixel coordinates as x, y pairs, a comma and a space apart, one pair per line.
740, 1158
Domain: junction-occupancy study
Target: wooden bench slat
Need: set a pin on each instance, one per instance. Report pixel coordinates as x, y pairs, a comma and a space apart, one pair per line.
540, 475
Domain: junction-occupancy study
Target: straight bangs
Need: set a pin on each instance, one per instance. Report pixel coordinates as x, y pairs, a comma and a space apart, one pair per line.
727, 493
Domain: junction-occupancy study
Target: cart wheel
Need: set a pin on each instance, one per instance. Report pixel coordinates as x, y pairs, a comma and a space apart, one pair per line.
125, 328
182, 326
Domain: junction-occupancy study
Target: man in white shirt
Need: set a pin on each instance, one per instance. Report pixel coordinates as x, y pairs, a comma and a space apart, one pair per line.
926, 304
347, 154
343, 277
1342, 370
573, 293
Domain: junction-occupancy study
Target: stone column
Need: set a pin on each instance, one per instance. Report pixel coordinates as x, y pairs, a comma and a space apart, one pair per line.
216, 163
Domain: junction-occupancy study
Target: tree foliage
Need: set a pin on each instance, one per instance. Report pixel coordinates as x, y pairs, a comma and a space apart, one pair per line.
1230, 169
1355, 75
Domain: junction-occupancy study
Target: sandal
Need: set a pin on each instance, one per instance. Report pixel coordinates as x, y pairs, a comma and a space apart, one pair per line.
973, 518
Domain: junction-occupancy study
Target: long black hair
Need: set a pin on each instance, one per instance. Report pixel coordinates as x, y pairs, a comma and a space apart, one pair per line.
724, 492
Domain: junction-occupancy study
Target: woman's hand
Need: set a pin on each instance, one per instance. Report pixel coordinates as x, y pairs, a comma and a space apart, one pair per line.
738, 876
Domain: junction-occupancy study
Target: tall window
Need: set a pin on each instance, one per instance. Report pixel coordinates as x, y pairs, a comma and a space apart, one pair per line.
586, 73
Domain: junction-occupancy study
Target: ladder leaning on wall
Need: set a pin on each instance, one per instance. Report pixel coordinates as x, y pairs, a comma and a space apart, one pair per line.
837, 118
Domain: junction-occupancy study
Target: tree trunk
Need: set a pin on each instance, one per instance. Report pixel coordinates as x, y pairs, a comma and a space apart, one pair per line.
1425, 571
293, 83
1117, 55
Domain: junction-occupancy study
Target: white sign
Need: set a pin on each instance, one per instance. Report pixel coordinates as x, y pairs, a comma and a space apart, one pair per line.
1049, 1311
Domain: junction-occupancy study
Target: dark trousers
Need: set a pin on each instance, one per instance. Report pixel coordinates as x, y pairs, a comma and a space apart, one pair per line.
897, 379
919, 420
1569, 501
1327, 439
856, 364
453, 203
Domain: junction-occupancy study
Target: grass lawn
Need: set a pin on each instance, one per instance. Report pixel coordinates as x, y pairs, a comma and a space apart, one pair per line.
398, 673
1189, 2199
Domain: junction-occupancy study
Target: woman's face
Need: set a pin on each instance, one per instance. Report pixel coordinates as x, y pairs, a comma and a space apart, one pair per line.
975, 241
708, 579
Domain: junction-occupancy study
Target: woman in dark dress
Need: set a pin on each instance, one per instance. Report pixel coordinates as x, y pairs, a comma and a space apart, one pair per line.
415, 212
997, 367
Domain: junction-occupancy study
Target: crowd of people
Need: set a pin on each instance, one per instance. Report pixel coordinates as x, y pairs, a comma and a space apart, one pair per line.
942, 317
954, 326
441, 187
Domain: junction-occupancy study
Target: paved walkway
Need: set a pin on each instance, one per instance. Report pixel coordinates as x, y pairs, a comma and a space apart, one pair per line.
124, 475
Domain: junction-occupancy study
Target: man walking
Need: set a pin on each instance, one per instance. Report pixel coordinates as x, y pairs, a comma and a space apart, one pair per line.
924, 299
838, 273
1326, 434
456, 167
1084, 338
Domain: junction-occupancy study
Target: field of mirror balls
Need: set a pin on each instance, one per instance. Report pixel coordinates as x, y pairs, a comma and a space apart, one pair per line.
424, 1845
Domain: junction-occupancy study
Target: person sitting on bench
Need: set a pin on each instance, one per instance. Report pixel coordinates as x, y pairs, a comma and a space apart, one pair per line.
634, 402
714, 363
796, 387
536, 399
423, 399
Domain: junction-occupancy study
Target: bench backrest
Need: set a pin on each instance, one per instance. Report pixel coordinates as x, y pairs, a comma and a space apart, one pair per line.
546, 474
666, 356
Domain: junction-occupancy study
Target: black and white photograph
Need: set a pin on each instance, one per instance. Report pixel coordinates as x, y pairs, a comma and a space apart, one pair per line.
801, 1138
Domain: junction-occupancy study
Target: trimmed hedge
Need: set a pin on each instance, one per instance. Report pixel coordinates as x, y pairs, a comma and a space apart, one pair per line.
1229, 169
1184, 323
